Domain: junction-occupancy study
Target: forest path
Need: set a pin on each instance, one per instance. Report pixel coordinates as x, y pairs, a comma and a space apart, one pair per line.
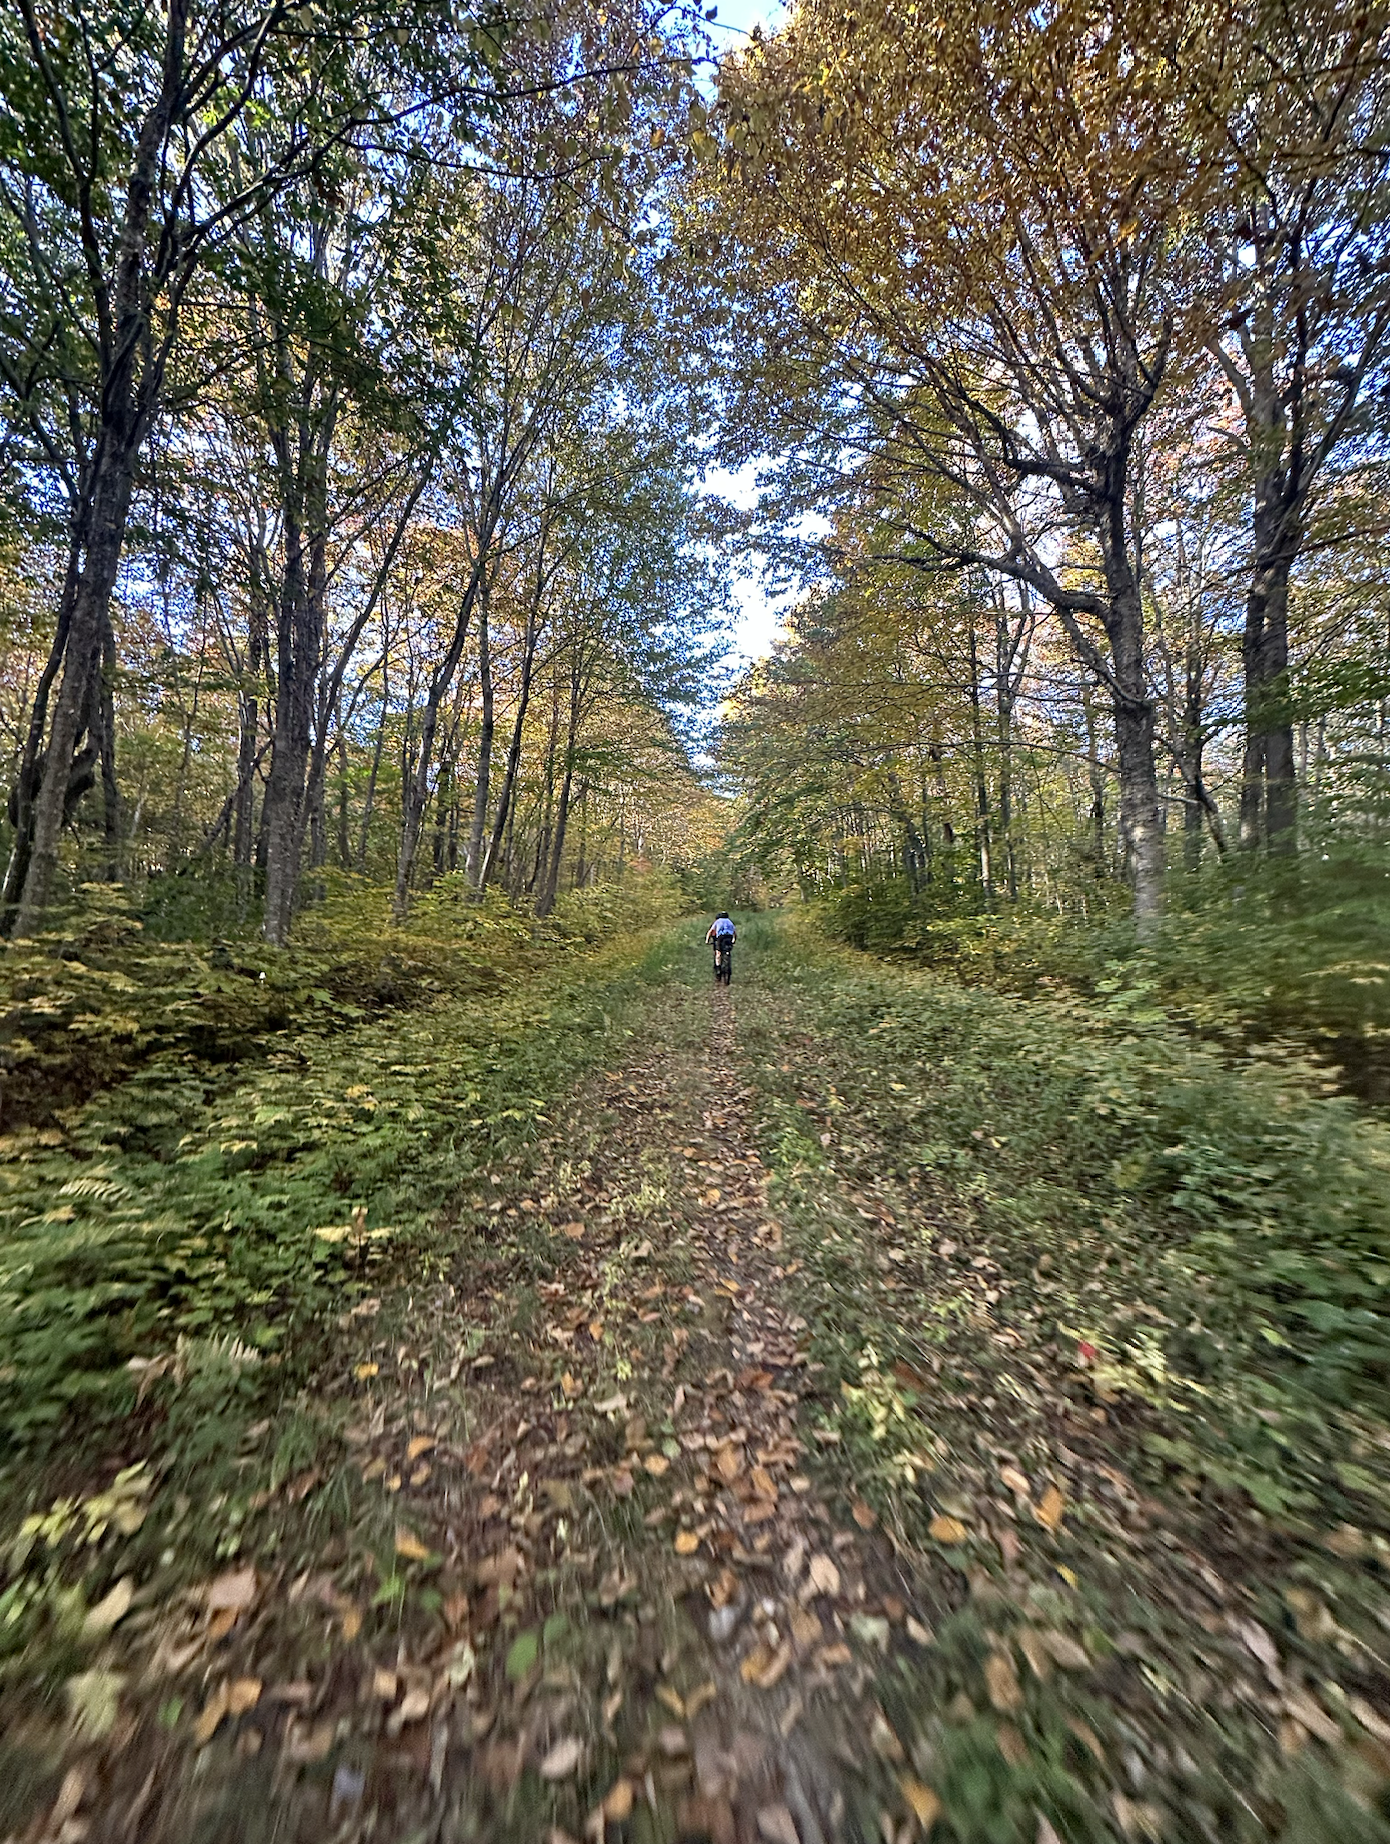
733, 1478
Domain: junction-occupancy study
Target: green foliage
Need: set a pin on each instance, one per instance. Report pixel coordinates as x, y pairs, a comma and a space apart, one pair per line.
1246, 1211
1247, 953
186, 1201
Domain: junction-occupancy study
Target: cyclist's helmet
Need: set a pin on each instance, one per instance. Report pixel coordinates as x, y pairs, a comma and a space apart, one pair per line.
723, 916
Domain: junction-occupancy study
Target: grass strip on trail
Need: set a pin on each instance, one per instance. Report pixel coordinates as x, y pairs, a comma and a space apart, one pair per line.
1100, 1325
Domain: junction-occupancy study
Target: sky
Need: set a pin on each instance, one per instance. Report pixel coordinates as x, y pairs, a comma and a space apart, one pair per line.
757, 615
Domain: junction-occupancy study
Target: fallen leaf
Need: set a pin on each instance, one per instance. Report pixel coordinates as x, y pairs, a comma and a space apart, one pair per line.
1011, 1744
672, 1699
657, 1464
414, 1705
919, 1634
755, 1663
410, 1546
775, 1823
571, 1385
763, 1483
617, 1802
562, 1759
729, 1461
825, 1577
351, 1617
211, 1716
832, 1655
621, 1483
864, 1515
1065, 1651
1030, 1642
698, 1698
243, 1694
93, 1701
687, 1542
947, 1529
419, 1443
1050, 1508
112, 1607
1001, 1680
384, 1683
806, 1627
232, 1593
363, 1371
926, 1807
672, 1742
1015, 1481
575, 1231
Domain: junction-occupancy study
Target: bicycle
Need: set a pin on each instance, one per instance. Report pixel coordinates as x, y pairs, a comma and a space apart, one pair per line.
723, 959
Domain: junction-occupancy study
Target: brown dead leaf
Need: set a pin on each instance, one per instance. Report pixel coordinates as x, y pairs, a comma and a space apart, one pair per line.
210, 1718
1030, 1642
729, 1461
1015, 1481
410, 1546
672, 1700
657, 1464
825, 1577
233, 1592
687, 1542
864, 1515
419, 1443
617, 1802
756, 1662
1001, 1680
571, 1386
1065, 1651
832, 1655
763, 1483
351, 1618
243, 1694
806, 1627
776, 1825
562, 1759
698, 1698
500, 1569
943, 1529
926, 1807
384, 1682
1051, 1508
575, 1231
621, 1482
1011, 1744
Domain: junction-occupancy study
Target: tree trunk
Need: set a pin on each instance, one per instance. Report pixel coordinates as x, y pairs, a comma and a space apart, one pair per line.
81, 662
485, 732
1269, 788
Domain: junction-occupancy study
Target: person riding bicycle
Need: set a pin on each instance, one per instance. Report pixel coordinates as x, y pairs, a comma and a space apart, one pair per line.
721, 937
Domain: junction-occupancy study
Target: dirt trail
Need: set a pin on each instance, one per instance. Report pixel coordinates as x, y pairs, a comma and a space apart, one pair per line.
569, 1541
557, 1606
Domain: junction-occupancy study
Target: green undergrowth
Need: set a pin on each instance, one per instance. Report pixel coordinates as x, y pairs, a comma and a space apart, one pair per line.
206, 1220
104, 993
1219, 1235
1103, 1248
1248, 952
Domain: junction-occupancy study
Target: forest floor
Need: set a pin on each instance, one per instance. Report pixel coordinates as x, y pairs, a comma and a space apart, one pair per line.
739, 1476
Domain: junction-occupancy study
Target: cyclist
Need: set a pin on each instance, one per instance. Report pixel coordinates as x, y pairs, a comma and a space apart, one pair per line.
721, 938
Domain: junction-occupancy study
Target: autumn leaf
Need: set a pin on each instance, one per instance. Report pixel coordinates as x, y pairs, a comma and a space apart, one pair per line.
1001, 1681
943, 1529
926, 1807
410, 1546
864, 1515
1050, 1508
210, 1718
687, 1542
825, 1577
562, 1759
